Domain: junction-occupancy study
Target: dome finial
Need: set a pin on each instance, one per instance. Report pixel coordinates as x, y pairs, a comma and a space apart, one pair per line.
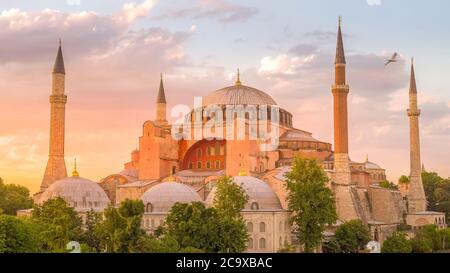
238, 80
367, 157
75, 172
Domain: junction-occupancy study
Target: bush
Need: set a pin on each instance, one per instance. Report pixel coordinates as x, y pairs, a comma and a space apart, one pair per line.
352, 236
397, 243
427, 240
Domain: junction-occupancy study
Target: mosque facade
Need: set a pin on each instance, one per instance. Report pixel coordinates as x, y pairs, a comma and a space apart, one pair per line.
252, 140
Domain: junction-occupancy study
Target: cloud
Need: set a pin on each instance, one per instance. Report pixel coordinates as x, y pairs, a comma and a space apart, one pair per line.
31, 36
373, 2
220, 10
132, 11
73, 2
283, 64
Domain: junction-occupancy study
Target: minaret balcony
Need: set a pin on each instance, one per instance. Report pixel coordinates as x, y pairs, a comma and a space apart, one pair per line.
58, 99
342, 88
413, 112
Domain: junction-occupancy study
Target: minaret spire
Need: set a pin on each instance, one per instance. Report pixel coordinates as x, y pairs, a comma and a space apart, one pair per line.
59, 68
56, 166
161, 104
416, 196
412, 82
340, 54
161, 93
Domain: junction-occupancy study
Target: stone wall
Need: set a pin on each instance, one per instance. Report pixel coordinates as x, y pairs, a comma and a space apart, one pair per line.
387, 205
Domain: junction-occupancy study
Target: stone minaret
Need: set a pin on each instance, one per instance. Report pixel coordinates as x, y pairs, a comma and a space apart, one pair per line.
342, 175
416, 195
340, 92
161, 105
56, 166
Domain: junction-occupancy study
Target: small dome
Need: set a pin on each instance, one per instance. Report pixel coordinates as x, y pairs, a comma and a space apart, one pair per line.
261, 196
372, 166
162, 197
238, 95
80, 193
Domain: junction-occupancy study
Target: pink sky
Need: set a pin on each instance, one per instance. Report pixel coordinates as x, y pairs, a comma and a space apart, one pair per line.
113, 75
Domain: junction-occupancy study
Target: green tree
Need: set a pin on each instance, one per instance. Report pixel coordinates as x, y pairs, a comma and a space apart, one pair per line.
397, 243
14, 198
230, 200
403, 180
445, 238
388, 185
193, 225
18, 235
352, 236
198, 228
90, 236
58, 224
331, 246
120, 231
427, 240
437, 191
311, 201
431, 182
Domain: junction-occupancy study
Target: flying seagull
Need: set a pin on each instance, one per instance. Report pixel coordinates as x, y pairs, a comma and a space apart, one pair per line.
393, 59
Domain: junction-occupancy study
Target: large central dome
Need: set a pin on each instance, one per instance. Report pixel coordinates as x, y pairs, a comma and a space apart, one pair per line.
238, 95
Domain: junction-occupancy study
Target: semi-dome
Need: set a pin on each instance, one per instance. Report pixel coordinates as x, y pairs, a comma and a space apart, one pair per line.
161, 198
260, 194
238, 95
80, 193
372, 166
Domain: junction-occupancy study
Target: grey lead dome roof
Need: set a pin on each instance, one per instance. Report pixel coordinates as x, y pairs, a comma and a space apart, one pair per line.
80, 193
372, 166
163, 196
258, 192
238, 95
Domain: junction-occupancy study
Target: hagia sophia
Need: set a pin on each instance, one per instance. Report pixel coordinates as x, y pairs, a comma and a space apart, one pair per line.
165, 170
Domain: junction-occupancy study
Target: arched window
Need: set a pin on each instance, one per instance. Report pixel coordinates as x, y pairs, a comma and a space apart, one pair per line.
250, 243
250, 227
217, 164
262, 227
149, 207
262, 243
254, 206
199, 153
280, 226
199, 165
208, 165
191, 166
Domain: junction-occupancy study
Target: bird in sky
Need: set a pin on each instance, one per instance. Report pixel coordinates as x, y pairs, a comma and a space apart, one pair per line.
393, 59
